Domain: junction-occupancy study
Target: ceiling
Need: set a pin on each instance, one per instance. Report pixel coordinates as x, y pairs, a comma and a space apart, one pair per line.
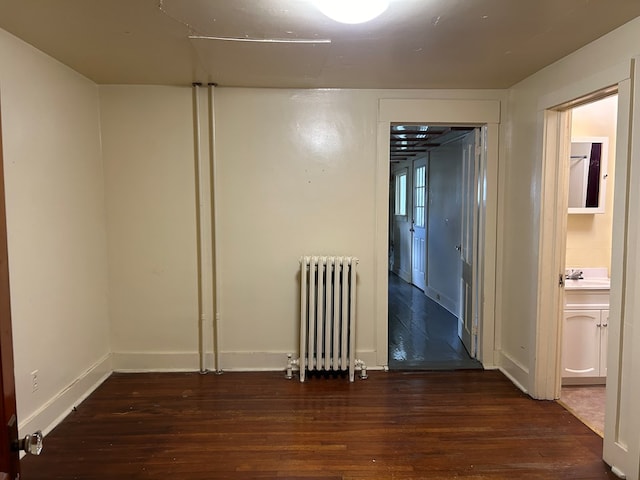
414, 44
409, 142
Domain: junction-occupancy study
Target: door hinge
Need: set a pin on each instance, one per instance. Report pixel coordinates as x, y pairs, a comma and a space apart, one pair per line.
561, 280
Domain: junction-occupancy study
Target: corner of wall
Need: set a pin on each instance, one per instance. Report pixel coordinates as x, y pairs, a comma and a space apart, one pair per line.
514, 371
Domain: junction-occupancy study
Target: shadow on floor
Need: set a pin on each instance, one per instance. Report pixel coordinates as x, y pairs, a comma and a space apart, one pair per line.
422, 334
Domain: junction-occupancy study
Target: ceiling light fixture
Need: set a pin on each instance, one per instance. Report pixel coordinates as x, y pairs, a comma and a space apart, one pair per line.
352, 11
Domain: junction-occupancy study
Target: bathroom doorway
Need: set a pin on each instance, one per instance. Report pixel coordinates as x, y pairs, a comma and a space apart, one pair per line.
588, 239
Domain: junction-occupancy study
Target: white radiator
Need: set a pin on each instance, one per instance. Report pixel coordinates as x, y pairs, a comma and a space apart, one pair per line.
327, 314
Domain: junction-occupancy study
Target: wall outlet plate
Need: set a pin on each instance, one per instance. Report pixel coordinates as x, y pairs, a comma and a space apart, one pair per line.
34, 381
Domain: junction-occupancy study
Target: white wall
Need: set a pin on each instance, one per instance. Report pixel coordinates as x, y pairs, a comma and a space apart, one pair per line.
56, 230
587, 70
596, 66
297, 175
298, 170
444, 223
148, 150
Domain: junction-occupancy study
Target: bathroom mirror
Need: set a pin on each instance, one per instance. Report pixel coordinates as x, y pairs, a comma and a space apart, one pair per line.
588, 174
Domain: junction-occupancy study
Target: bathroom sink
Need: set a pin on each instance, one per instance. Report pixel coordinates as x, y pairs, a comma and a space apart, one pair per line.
588, 284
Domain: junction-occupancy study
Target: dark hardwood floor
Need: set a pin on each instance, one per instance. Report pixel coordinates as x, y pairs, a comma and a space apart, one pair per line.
422, 334
469, 424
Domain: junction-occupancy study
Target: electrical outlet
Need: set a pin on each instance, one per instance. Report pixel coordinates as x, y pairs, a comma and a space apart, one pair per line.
34, 381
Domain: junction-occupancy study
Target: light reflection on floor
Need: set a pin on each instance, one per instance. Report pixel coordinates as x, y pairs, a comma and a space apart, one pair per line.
422, 334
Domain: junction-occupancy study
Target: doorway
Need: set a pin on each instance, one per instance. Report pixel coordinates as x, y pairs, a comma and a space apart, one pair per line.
433, 282
585, 317
620, 422
438, 111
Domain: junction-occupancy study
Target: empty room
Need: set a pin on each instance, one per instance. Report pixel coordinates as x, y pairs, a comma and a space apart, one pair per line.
207, 206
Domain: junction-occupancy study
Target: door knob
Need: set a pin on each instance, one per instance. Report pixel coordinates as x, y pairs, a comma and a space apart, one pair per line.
32, 443
458, 247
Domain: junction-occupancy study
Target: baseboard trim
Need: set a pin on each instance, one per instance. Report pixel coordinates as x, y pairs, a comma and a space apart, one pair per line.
514, 371
403, 274
441, 299
49, 415
275, 361
139, 362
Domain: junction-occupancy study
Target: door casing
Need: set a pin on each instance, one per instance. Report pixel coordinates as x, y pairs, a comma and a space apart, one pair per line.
621, 442
9, 457
440, 112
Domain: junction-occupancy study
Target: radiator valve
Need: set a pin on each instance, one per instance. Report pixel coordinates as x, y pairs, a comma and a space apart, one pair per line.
363, 369
290, 364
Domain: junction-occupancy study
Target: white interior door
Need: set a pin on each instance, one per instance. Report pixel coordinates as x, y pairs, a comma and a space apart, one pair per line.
418, 240
622, 421
468, 317
402, 224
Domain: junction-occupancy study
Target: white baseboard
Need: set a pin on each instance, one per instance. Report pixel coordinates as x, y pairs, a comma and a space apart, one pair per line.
584, 381
190, 361
514, 371
254, 361
133, 362
137, 362
404, 275
47, 417
274, 361
442, 300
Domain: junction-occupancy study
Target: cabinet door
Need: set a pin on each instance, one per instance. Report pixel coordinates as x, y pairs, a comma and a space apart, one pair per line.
581, 343
604, 337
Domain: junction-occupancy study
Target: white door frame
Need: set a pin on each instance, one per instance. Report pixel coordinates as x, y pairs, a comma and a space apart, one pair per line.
444, 112
621, 442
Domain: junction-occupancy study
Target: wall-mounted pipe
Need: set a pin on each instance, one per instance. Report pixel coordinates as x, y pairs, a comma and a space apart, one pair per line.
204, 214
215, 228
198, 170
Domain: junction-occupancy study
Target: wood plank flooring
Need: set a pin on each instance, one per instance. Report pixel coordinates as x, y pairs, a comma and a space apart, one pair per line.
397, 425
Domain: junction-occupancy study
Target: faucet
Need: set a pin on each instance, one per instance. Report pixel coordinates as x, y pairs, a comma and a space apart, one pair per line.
574, 275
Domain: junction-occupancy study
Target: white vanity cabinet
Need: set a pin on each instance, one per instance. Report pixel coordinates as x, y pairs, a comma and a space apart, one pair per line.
584, 336
584, 343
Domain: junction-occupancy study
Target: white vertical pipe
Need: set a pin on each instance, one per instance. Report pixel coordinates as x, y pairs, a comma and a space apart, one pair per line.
204, 232
198, 172
215, 241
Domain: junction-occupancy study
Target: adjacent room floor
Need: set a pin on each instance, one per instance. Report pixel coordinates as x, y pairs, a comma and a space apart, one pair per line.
587, 402
422, 334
